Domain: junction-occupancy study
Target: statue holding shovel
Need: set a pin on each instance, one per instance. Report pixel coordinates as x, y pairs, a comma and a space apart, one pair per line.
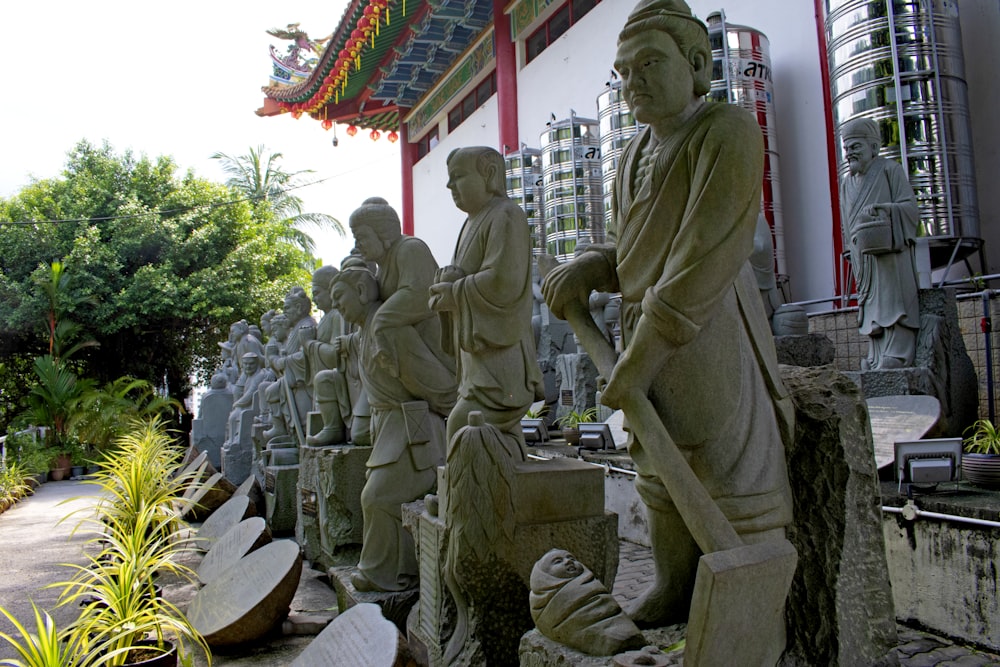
698, 379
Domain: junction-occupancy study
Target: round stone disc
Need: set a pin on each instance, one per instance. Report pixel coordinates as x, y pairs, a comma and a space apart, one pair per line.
246, 536
359, 637
222, 521
250, 598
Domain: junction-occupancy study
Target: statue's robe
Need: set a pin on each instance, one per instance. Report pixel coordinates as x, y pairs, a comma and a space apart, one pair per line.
682, 236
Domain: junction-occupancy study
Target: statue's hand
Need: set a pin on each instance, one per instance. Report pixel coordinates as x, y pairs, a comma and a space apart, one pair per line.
637, 367
442, 299
573, 282
448, 274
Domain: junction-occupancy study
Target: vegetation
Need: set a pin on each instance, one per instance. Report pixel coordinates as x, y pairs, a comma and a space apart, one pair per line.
983, 439
573, 418
137, 526
160, 266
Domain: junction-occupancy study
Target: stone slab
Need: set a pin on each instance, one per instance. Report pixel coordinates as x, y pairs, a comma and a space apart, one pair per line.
557, 489
235, 510
252, 489
616, 422
280, 491
804, 350
395, 606
359, 637
899, 418
246, 536
251, 598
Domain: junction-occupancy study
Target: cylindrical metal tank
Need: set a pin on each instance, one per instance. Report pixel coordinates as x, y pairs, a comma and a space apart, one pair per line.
741, 75
524, 186
617, 125
900, 63
574, 196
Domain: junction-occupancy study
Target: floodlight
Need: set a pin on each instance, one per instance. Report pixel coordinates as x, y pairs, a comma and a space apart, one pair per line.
535, 430
928, 462
596, 436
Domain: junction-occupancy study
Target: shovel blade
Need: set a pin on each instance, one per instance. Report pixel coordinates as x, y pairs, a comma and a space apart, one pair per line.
737, 610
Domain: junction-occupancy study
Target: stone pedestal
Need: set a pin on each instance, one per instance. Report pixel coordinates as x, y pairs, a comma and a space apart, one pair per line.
558, 504
280, 491
804, 350
395, 606
840, 608
328, 503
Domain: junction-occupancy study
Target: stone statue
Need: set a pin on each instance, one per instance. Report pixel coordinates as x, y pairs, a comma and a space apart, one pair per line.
410, 391
321, 355
485, 302
571, 606
698, 362
879, 217
484, 296
290, 397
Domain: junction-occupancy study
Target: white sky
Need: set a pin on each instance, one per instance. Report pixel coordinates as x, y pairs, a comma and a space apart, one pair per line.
181, 78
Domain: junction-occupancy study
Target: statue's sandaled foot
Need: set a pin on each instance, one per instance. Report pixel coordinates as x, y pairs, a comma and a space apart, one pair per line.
653, 609
891, 363
276, 430
328, 435
362, 583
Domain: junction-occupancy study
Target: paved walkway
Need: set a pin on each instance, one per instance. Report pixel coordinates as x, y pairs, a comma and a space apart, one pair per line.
34, 542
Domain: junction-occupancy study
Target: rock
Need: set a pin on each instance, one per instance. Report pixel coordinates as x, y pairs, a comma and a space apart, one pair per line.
804, 350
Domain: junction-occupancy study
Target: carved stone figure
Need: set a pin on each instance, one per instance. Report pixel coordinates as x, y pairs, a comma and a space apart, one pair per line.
319, 356
290, 398
571, 606
484, 296
485, 301
879, 217
410, 391
698, 376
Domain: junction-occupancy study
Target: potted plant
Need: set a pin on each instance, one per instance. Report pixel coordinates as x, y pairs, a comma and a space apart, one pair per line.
570, 423
981, 459
47, 646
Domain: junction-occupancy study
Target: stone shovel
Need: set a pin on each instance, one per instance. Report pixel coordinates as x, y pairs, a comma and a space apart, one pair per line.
739, 589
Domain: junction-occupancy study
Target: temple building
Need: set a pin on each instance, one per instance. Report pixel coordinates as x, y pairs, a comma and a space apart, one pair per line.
534, 79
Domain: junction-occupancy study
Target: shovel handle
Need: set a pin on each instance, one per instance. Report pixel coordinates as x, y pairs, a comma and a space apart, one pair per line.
709, 527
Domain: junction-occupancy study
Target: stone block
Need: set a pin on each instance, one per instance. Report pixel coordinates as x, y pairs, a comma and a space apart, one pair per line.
395, 606
840, 608
237, 454
804, 350
280, 491
328, 503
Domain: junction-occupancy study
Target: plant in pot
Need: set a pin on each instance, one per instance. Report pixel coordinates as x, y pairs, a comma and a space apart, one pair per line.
981, 459
14, 483
139, 529
533, 424
47, 646
570, 423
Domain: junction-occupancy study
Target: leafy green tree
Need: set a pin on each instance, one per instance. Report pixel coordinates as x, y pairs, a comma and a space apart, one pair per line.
162, 264
259, 177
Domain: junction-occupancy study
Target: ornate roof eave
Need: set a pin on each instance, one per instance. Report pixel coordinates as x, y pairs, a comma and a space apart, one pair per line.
395, 69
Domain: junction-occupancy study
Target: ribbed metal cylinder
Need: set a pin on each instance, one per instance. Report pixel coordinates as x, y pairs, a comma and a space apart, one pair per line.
900, 63
617, 125
571, 176
741, 75
524, 186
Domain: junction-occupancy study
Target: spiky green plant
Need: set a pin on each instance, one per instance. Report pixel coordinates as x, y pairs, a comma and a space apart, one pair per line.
14, 481
984, 438
574, 418
45, 647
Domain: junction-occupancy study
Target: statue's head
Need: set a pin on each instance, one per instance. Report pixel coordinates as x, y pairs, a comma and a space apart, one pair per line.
862, 140
475, 176
354, 289
322, 281
280, 326
237, 330
666, 34
250, 363
297, 304
265, 322
219, 381
375, 226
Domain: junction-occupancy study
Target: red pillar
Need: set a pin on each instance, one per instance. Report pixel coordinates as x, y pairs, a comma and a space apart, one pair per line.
408, 157
506, 59
841, 282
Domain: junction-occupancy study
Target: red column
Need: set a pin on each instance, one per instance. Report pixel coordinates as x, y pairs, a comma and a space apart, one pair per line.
841, 282
506, 59
408, 157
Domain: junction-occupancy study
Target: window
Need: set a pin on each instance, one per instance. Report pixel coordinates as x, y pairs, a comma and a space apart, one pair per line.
557, 24
472, 101
427, 142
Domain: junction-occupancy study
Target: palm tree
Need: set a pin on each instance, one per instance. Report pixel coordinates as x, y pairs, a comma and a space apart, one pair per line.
258, 177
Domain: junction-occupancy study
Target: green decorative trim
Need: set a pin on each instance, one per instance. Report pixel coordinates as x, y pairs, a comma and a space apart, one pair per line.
481, 57
525, 13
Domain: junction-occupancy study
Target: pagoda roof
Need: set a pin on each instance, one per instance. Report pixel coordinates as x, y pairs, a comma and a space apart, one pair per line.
364, 79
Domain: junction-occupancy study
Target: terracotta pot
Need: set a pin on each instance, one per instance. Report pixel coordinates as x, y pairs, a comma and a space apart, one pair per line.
168, 659
571, 435
982, 469
60, 468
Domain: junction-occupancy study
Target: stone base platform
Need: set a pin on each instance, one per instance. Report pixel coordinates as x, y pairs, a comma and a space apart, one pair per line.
280, 484
395, 606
